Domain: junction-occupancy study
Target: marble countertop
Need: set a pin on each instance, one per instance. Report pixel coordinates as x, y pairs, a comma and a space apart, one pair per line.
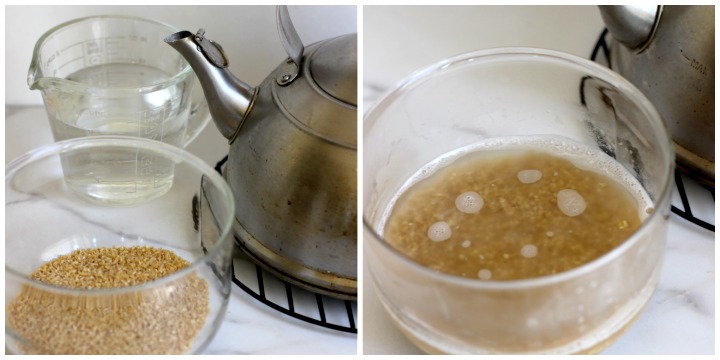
249, 327
400, 40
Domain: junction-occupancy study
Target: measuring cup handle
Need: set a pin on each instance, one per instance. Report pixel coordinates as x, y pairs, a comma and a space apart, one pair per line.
199, 114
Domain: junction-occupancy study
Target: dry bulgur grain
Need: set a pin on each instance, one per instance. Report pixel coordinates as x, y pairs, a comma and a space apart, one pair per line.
163, 319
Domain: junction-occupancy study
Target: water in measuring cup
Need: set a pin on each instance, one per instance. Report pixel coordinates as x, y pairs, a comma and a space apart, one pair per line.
116, 75
113, 176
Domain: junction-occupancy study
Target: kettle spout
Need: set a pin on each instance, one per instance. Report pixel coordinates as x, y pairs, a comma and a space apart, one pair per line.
631, 25
229, 99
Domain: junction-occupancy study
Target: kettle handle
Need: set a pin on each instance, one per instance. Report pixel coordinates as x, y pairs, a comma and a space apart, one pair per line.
289, 36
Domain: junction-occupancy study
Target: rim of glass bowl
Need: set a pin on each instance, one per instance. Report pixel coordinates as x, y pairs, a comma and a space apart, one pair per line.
41, 82
576, 63
172, 152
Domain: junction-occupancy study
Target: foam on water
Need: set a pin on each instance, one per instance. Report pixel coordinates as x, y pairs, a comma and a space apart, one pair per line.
583, 156
469, 202
570, 202
529, 176
529, 251
485, 274
439, 231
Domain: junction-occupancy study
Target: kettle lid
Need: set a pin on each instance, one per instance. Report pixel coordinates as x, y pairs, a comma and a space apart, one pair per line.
333, 67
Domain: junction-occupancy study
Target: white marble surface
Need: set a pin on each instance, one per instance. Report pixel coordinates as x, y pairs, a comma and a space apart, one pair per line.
400, 40
249, 327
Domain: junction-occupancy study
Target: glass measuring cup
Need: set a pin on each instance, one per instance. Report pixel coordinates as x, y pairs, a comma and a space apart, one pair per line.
498, 97
114, 75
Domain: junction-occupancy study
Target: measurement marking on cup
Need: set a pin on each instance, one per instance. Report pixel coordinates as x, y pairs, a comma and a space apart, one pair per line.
79, 58
93, 47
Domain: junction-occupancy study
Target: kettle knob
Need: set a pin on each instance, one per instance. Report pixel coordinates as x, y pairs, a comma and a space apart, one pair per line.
212, 50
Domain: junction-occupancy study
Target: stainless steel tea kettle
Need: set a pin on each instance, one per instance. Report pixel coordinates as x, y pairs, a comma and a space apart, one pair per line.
292, 163
668, 52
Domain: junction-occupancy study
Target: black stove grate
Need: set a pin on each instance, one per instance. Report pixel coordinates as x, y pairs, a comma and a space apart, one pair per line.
687, 213
681, 181
279, 295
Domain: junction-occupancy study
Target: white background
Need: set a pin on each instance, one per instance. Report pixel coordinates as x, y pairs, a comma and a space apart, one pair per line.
247, 34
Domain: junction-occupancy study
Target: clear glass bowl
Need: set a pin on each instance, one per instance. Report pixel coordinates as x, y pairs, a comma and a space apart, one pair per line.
510, 93
178, 313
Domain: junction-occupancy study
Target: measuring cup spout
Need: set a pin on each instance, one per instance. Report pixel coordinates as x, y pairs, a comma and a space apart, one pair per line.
32, 77
35, 73
229, 99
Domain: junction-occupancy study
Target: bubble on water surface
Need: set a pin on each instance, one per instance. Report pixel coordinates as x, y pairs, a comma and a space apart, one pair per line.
439, 231
469, 202
570, 202
485, 274
529, 251
529, 176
